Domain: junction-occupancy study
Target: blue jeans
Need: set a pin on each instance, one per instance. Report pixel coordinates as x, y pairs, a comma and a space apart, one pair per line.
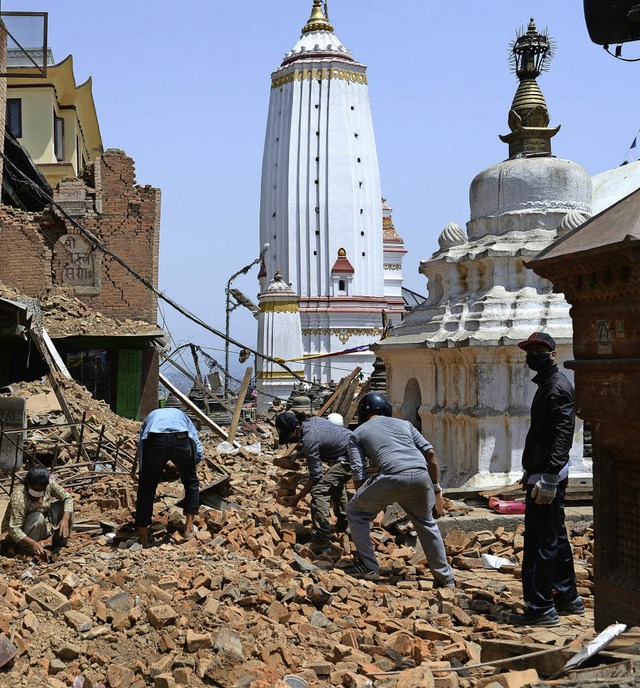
413, 491
157, 450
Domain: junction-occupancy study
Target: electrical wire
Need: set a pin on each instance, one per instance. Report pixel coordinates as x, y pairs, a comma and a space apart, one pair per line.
160, 295
618, 54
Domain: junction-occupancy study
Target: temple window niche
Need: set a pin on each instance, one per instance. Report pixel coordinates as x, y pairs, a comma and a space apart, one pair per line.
342, 274
76, 264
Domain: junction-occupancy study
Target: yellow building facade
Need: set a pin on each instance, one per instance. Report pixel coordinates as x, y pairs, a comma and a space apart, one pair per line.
53, 118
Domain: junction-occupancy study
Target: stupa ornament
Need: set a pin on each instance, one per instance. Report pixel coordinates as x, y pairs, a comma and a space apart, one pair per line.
528, 119
317, 21
451, 235
572, 220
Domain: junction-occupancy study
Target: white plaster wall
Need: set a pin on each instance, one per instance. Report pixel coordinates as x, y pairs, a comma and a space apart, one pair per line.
475, 408
279, 336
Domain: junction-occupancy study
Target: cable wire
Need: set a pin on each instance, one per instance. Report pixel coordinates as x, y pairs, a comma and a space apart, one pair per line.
160, 295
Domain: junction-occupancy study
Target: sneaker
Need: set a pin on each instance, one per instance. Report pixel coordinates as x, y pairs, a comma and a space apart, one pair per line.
360, 570
549, 617
574, 607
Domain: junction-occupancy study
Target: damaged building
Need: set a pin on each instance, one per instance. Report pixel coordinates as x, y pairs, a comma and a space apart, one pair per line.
65, 253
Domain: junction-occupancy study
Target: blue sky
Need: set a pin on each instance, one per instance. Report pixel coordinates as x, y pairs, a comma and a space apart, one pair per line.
183, 88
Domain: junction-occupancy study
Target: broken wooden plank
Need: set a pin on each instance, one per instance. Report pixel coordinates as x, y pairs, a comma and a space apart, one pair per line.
339, 391
518, 655
348, 417
248, 373
203, 388
195, 410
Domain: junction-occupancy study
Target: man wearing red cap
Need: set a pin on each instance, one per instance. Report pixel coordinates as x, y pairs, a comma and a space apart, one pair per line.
547, 567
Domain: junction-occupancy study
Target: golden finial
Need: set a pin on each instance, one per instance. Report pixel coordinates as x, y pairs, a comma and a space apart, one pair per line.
529, 117
317, 20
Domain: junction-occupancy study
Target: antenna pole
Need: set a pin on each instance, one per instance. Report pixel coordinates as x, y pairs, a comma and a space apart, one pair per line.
326, 9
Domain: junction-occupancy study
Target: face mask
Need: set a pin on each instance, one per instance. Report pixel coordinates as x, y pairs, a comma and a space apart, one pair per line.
539, 361
36, 493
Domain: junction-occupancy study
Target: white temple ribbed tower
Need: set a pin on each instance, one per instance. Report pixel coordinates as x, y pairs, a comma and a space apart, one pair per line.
321, 209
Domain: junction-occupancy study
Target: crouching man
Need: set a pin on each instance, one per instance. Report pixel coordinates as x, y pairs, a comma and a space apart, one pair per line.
167, 434
407, 474
37, 510
322, 441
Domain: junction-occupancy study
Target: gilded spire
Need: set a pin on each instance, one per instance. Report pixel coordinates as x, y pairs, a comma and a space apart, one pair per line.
317, 20
530, 134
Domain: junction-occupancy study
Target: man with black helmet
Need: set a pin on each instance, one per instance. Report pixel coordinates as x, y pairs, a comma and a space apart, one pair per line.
407, 474
322, 441
547, 566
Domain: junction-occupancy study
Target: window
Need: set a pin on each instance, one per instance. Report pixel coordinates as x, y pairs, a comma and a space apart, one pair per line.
58, 137
14, 116
341, 285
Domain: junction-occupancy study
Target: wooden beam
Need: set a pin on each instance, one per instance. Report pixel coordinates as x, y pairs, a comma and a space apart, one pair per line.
52, 358
248, 373
195, 410
339, 391
196, 363
348, 417
203, 387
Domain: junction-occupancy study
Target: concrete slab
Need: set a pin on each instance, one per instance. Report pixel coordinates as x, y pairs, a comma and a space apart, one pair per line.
485, 519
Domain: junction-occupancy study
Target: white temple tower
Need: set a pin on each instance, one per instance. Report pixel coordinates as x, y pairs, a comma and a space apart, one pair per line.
453, 367
321, 209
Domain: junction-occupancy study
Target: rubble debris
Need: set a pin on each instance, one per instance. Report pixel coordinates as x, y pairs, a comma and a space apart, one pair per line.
64, 315
246, 602
233, 605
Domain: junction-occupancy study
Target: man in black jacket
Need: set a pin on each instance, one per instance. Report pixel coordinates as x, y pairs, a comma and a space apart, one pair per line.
547, 567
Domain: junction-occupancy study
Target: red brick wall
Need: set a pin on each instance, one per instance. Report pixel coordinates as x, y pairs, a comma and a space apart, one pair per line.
129, 224
25, 254
108, 203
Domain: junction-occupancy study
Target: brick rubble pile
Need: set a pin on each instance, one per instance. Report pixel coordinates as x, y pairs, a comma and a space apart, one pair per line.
245, 603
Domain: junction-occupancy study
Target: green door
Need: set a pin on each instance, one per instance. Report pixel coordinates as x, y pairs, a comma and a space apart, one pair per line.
129, 383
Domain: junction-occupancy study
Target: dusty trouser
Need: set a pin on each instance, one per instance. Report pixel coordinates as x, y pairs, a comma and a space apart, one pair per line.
38, 526
413, 491
329, 492
157, 450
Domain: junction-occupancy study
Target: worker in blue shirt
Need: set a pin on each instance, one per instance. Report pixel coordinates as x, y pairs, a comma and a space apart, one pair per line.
167, 434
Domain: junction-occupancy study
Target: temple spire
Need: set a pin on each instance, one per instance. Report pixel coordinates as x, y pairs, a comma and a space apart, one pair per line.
530, 134
317, 20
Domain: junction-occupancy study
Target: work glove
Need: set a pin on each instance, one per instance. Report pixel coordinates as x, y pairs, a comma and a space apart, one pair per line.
544, 491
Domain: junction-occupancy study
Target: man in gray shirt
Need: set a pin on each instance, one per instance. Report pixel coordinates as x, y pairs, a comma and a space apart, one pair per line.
407, 474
